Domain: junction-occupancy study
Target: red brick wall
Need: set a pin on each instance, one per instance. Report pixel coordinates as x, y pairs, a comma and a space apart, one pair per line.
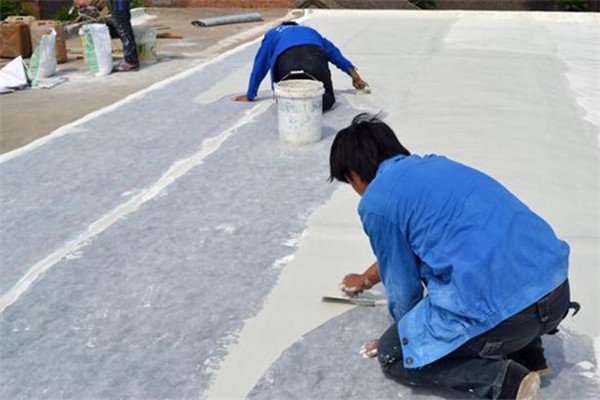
220, 3
504, 5
593, 5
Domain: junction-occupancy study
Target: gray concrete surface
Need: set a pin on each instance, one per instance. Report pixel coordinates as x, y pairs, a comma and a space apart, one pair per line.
74, 181
142, 316
30, 114
152, 304
326, 364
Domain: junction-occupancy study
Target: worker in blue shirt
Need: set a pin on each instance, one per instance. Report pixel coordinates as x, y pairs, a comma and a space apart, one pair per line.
494, 272
291, 47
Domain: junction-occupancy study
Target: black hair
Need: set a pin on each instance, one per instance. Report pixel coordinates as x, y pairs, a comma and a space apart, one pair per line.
289, 23
361, 147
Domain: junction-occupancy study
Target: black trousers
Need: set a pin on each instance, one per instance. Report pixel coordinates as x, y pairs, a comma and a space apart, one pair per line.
479, 367
311, 59
120, 26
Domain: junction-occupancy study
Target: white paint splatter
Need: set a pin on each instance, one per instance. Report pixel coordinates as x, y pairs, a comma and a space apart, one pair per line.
226, 228
160, 339
294, 240
585, 365
211, 365
74, 255
283, 261
146, 302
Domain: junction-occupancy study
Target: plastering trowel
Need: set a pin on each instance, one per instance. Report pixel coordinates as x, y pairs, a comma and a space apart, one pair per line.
359, 301
365, 90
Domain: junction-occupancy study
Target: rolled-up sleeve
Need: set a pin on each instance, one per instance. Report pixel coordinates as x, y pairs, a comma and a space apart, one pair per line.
398, 265
261, 66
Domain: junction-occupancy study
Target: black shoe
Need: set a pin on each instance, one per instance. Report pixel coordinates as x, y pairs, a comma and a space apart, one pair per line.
124, 66
531, 358
519, 383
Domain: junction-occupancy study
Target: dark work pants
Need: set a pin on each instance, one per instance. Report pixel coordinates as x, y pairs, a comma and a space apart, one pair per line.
479, 366
311, 59
120, 26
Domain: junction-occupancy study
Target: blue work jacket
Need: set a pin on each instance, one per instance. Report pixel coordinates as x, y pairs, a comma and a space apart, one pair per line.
481, 254
283, 37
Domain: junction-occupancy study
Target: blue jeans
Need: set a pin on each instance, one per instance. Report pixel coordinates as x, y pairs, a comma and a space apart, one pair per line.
479, 367
120, 26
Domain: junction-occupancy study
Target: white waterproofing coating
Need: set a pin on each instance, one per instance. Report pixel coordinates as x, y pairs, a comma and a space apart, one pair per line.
490, 89
182, 252
299, 88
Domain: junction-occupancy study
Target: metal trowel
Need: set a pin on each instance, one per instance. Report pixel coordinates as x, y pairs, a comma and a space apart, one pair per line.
358, 301
365, 90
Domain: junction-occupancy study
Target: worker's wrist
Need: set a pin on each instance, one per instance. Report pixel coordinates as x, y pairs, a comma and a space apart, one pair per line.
367, 284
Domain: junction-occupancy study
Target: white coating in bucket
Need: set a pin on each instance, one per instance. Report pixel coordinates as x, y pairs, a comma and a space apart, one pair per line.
299, 110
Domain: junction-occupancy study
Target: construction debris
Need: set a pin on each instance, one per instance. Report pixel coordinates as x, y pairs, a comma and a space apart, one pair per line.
228, 19
168, 35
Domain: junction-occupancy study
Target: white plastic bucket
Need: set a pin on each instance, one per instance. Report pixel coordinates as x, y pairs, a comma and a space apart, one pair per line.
145, 41
299, 110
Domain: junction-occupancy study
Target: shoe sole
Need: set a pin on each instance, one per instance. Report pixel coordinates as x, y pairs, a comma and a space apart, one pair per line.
543, 371
529, 389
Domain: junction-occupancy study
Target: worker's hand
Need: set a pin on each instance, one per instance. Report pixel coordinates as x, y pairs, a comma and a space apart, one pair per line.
242, 97
355, 284
358, 83
369, 349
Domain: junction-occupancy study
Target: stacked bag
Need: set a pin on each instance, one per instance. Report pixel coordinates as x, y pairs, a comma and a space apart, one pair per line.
15, 37
18, 36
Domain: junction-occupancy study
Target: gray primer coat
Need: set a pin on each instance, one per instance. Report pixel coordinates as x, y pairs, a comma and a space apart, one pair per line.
147, 308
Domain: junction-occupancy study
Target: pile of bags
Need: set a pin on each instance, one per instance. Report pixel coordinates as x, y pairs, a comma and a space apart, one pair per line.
17, 75
19, 35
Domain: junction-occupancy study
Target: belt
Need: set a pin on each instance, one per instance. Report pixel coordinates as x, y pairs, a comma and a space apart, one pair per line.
549, 297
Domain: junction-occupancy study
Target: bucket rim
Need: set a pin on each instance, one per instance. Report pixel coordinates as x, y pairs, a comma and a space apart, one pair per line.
299, 88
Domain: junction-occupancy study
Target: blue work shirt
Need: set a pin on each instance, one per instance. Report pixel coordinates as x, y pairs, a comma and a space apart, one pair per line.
481, 253
283, 37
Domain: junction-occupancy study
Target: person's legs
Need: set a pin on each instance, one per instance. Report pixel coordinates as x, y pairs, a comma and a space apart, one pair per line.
532, 357
463, 371
313, 61
121, 23
551, 311
480, 366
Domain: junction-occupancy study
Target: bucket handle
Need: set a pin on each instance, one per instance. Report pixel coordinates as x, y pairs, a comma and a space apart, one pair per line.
295, 72
298, 72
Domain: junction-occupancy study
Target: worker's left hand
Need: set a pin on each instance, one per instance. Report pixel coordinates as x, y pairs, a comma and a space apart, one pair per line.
369, 349
242, 97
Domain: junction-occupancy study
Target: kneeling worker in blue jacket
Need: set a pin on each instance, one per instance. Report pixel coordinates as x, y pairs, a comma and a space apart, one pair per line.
291, 47
495, 273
